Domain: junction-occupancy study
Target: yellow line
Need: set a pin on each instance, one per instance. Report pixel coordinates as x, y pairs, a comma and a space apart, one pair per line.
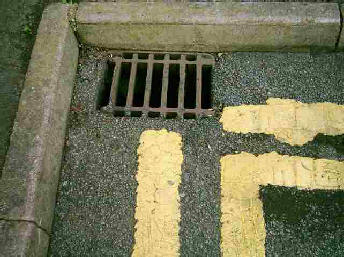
243, 229
157, 213
289, 121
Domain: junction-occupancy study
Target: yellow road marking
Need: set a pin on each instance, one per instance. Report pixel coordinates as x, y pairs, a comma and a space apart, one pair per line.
157, 213
288, 120
243, 229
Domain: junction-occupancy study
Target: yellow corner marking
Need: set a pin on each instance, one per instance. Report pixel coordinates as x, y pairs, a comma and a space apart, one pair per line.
288, 120
159, 175
243, 229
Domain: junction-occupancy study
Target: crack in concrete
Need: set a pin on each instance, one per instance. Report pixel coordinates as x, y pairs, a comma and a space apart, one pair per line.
29, 221
340, 28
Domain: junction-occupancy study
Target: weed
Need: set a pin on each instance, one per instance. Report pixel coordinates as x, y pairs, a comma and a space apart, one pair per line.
68, 1
28, 30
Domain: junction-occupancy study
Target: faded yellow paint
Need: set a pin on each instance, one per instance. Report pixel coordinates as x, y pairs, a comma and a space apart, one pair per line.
157, 213
288, 120
243, 229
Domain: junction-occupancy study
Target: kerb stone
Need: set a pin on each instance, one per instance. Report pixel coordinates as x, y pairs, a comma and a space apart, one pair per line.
214, 27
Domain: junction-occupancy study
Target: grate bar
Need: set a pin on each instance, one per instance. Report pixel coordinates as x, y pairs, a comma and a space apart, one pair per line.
132, 79
114, 85
206, 62
181, 85
201, 112
148, 81
199, 83
165, 82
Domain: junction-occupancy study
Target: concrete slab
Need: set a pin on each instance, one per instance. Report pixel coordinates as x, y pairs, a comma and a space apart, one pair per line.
31, 171
21, 238
215, 27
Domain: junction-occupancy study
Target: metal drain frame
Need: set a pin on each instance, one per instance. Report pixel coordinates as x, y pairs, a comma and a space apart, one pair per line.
199, 59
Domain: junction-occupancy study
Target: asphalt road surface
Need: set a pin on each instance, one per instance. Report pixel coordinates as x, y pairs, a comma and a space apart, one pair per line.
95, 211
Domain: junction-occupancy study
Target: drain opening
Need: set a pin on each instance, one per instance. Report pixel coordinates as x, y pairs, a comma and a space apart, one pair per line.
153, 114
136, 114
158, 84
190, 86
156, 87
103, 97
189, 116
123, 84
173, 85
140, 84
127, 55
206, 86
159, 56
143, 56
175, 56
171, 115
191, 57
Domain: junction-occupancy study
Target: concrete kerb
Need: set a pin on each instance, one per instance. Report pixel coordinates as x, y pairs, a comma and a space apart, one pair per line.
214, 27
341, 36
30, 175
31, 171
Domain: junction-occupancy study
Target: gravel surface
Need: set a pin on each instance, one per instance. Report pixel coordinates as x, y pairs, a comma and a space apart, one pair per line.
95, 208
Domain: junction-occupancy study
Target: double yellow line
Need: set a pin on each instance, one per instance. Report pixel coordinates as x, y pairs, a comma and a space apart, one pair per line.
159, 173
158, 176
289, 121
243, 230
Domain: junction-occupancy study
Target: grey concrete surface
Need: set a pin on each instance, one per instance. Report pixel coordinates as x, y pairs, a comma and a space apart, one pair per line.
222, 26
94, 215
16, 235
31, 170
15, 51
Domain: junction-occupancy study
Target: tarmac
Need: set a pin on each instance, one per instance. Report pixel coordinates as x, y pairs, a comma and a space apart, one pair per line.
94, 215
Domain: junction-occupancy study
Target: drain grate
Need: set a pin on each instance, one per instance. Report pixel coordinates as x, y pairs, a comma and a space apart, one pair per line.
160, 84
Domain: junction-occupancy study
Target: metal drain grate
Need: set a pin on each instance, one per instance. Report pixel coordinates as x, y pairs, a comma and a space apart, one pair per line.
161, 84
